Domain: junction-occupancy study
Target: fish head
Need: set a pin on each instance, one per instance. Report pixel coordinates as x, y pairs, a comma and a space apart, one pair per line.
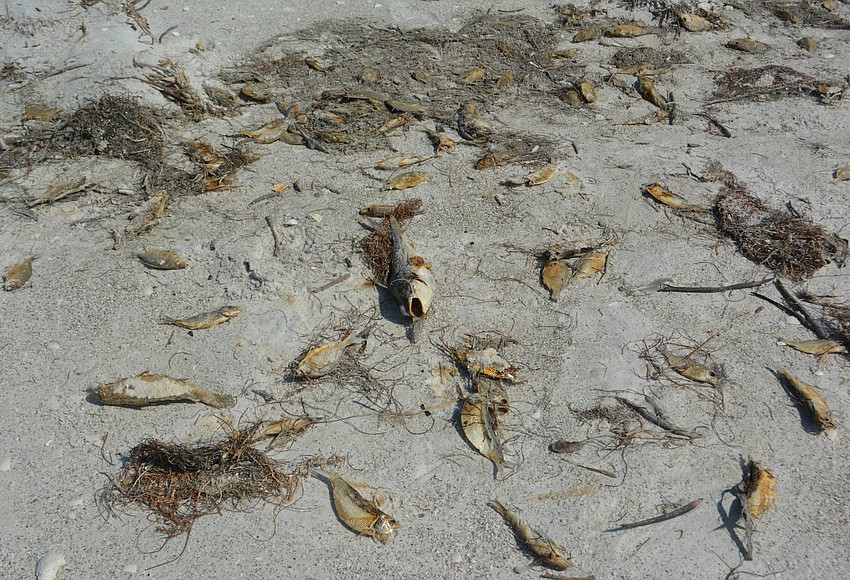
230, 311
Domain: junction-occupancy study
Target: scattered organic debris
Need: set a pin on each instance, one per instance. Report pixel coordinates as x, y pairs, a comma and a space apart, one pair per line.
810, 399
564, 446
162, 260
780, 240
207, 319
377, 247
146, 389
180, 483
170, 79
662, 518
322, 360
284, 430
406, 180
651, 411
558, 271
480, 356
665, 287
218, 168
663, 195
356, 512
544, 549
773, 82
61, 190
757, 494
18, 275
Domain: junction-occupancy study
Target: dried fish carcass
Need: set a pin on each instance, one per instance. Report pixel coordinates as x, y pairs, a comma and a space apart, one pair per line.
627, 31
810, 399
399, 161
694, 22
149, 389
268, 133
479, 428
162, 260
542, 547
406, 180
18, 275
689, 369
357, 513
410, 279
646, 89
757, 493
663, 195
555, 275
590, 265
326, 358
819, 347
487, 362
541, 176
440, 142
207, 319
285, 429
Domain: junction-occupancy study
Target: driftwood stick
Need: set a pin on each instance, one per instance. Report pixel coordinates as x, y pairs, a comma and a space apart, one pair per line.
807, 319
662, 518
709, 289
275, 235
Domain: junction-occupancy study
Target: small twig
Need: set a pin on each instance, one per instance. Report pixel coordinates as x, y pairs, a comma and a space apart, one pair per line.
808, 320
554, 576
331, 284
708, 289
723, 130
276, 237
780, 306
605, 472
662, 518
161, 36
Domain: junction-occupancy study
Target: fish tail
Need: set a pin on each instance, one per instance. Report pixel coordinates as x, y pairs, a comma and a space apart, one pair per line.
214, 399
500, 509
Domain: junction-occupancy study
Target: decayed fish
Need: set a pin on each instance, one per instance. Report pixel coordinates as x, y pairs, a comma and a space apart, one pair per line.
441, 143
627, 31
540, 176
818, 347
647, 90
18, 275
590, 265
689, 369
810, 399
207, 319
324, 359
555, 275
668, 198
543, 548
757, 493
285, 429
147, 389
748, 45
399, 161
268, 133
357, 513
163, 260
411, 280
478, 424
487, 362
406, 180
377, 210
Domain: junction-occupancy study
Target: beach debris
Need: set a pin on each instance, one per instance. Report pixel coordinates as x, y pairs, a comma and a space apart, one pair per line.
178, 483
663, 195
567, 447
585, 34
689, 369
808, 43
555, 275
689, 507
469, 126
775, 82
268, 133
205, 320
694, 22
149, 389
377, 247
218, 168
162, 260
544, 549
541, 176
651, 410
757, 494
748, 45
49, 566
61, 190
405, 181
324, 359
473, 76
40, 113
18, 275
589, 265
810, 399
646, 89
410, 278
665, 286
284, 430
356, 512
629, 30
818, 347
786, 242
842, 173
440, 142
479, 427
170, 79
481, 357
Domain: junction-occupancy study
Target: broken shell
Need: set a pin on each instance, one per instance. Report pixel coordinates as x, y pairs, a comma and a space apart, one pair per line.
406, 180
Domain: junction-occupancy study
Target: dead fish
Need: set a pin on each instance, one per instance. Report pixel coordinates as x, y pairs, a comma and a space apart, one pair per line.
478, 424
689, 369
378, 210
810, 399
588, 93
487, 362
147, 389
357, 513
399, 161
268, 133
760, 489
402, 107
548, 551
818, 347
571, 96
555, 275
495, 159
411, 280
163, 260
469, 126
18, 275
441, 143
207, 319
324, 359
395, 123
60, 190
748, 45
40, 113
694, 22
564, 446
540, 176
286, 429
842, 173
585, 34
646, 89
627, 31
257, 92
663, 195
590, 265
318, 64
405, 181
473, 76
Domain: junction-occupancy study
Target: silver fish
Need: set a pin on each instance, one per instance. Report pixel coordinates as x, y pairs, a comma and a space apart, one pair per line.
147, 389
410, 280
205, 320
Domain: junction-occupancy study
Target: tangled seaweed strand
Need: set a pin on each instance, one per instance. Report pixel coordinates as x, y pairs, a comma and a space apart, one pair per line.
179, 483
785, 242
